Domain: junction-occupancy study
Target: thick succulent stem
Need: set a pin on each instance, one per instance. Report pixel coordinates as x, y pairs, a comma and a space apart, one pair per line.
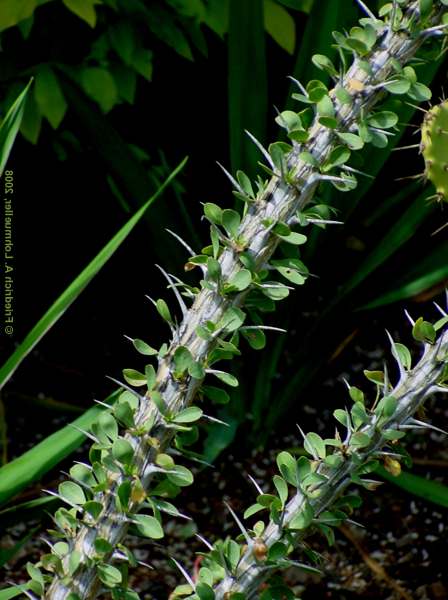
278, 202
410, 392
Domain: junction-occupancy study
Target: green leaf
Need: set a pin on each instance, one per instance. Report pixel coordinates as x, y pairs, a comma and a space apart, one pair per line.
123, 451
341, 416
356, 394
109, 575
49, 96
188, 415
376, 377
255, 337
314, 444
182, 359
213, 269
102, 545
181, 477
216, 395
108, 425
354, 142
288, 468
386, 406
231, 221
144, 348
134, 377
423, 331
245, 184
149, 526
404, 355
324, 63
213, 213
280, 25
35, 573
359, 440
204, 591
232, 319
142, 63
124, 493
165, 461
240, 281
72, 492
303, 519
226, 378
398, 85
10, 126
196, 370
84, 9
58, 308
297, 239
123, 40
93, 508
383, 120
420, 92
282, 488
99, 84
163, 310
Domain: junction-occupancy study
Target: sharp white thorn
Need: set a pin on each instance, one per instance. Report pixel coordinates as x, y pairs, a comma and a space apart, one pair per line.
299, 85
172, 286
257, 487
184, 572
301, 430
395, 354
436, 30
440, 309
102, 403
438, 389
409, 318
263, 327
333, 178
355, 523
204, 541
183, 242
151, 299
263, 150
346, 383
240, 525
233, 181
366, 9
61, 498
353, 170
424, 425
126, 387
84, 432
215, 420
324, 222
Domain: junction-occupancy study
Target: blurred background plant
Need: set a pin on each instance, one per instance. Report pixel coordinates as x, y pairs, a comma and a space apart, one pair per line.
123, 90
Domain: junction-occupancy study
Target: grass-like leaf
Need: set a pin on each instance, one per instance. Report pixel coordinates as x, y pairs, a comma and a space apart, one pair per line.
58, 308
433, 491
247, 82
10, 126
33, 464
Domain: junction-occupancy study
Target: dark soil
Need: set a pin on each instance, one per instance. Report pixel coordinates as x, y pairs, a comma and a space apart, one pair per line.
399, 552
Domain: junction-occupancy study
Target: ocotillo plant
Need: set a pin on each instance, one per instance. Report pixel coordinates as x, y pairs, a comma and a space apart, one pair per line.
308, 495
129, 450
